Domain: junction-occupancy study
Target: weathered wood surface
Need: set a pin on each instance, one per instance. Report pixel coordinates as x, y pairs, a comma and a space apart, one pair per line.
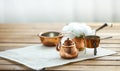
20, 35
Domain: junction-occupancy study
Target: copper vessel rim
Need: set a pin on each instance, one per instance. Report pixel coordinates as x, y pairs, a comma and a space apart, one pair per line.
59, 35
92, 36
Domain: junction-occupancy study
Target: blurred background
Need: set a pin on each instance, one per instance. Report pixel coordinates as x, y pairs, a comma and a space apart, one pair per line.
34, 11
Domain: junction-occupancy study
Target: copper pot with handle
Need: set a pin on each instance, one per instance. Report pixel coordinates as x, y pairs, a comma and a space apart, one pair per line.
68, 49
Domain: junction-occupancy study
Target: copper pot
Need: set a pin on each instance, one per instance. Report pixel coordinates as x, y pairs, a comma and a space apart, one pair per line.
50, 38
68, 49
79, 42
91, 40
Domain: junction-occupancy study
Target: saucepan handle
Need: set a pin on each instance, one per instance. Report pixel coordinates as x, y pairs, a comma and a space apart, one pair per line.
104, 25
106, 37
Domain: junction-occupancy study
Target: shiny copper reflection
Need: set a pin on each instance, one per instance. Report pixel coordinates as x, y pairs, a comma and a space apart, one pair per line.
50, 38
68, 49
91, 40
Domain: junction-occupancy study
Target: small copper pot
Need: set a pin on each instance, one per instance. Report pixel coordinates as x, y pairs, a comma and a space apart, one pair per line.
79, 42
91, 40
68, 49
50, 38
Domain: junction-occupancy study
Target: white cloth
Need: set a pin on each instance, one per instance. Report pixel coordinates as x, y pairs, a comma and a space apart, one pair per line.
39, 56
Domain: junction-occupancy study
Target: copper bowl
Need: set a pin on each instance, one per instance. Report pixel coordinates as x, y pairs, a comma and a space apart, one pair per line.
92, 41
50, 38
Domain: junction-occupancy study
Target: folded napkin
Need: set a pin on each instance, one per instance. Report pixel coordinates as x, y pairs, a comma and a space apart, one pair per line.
39, 56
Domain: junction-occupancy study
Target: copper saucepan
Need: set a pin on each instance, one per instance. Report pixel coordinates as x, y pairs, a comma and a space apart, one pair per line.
90, 40
93, 41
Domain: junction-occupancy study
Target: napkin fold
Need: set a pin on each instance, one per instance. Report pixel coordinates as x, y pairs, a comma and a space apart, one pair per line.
39, 56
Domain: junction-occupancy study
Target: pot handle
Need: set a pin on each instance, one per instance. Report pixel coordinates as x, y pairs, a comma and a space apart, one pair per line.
58, 46
104, 25
106, 38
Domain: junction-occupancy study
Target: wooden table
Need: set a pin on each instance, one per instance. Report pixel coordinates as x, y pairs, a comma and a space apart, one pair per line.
20, 35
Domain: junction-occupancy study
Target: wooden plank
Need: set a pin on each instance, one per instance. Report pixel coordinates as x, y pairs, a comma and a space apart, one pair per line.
5, 46
28, 30
97, 63
86, 68
65, 67
48, 28
86, 62
39, 25
114, 49
75, 66
49, 24
110, 41
14, 45
8, 62
14, 67
37, 32
31, 25
108, 58
37, 41
34, 36
118, 54
112, 45
20, 41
